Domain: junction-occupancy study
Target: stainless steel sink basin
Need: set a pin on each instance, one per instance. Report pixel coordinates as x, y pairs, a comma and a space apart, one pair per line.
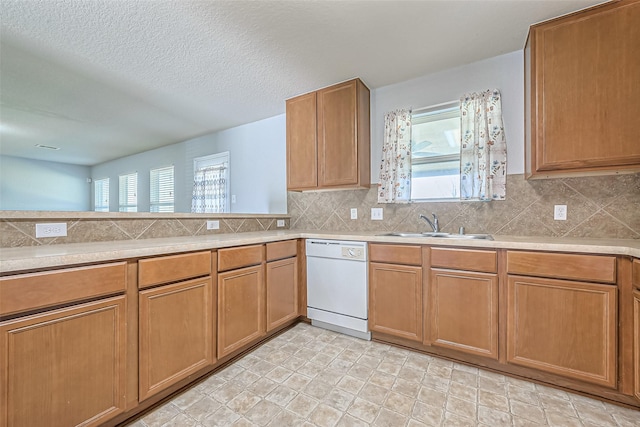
440, 235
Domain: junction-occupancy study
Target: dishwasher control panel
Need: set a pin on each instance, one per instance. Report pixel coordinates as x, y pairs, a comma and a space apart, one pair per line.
352, 252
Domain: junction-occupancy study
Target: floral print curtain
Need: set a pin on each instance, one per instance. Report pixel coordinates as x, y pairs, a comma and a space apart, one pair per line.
483, 149
395, 170
209, 190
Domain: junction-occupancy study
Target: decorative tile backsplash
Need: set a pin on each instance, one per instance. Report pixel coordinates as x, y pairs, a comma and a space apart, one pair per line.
597, 207
21, 232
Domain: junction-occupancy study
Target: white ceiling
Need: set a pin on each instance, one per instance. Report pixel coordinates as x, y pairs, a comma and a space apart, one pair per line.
101, 79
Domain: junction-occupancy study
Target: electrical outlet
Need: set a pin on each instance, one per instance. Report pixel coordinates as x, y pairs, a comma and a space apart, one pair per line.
376, 214
52, 229
354, 213
560, 212
213, 225
280, 223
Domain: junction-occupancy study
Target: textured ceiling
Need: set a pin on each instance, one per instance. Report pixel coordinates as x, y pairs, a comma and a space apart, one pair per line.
101, 79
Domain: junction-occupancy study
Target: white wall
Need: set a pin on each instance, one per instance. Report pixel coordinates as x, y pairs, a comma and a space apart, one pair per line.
257, 167
39, 185
504, 72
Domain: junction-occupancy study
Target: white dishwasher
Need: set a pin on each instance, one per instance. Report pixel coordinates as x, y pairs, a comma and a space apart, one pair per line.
337, 286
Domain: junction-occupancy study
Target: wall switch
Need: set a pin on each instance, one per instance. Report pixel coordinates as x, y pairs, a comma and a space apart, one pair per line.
52, 229
376, 214
354, 213
213, 225
280, 223
560, 212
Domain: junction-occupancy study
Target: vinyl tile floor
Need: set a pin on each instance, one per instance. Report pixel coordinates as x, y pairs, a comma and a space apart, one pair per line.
313, 377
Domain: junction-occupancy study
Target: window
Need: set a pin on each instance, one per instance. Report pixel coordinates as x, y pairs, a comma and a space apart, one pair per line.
161, 191
435, 153
128, 192
101, 195
211, 184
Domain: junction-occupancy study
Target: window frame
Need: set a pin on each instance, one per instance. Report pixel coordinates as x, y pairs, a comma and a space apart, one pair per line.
157, 202
128, 207
217, 159
104, 191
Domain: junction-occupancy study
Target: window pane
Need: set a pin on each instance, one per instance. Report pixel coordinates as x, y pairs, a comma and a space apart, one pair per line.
101, 195
161, 191
435, 154
128, 192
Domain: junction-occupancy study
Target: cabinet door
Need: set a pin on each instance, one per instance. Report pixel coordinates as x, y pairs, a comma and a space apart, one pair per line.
241, 308
395, 300
337, 143
464, 311
563, 327
64, 367
282, 292
176, 333
302, 147
585, 96
636, 342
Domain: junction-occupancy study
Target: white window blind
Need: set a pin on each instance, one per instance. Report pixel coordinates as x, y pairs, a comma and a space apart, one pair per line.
161, 181
101, 195
128, 192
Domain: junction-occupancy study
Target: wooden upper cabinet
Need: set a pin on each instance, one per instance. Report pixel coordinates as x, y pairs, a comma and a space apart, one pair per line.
328, 138
302, 142
582, 97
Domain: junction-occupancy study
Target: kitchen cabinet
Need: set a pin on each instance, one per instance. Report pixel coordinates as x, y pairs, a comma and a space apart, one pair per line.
328, 138
636, 326
581, 93
565, 327
395, 290
463, 301
176, 331
64, 366
241, 297
281, 283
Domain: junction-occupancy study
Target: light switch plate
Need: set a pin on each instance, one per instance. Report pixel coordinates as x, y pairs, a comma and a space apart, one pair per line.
52, 229
213, 225
376, 214
560, 212
354, 213
280, 223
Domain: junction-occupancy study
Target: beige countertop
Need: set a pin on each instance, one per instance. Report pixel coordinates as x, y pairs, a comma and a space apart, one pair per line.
41, 257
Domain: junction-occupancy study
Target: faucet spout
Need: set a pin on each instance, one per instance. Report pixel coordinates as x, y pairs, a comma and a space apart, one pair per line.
434, 225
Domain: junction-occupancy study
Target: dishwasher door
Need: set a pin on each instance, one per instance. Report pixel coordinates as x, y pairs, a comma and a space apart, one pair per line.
337, 286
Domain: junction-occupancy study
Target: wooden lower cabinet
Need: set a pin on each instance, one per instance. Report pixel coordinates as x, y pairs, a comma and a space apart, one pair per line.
395, 300
563, 327
64, 367
241, 308
463, 311
636, 342
282, 292
176, 333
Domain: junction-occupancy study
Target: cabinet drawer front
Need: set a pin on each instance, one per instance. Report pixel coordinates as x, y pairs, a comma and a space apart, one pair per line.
244, 256
592, 268
636, 273
166, 269
464, 259
39, 290
396, 254
281, 250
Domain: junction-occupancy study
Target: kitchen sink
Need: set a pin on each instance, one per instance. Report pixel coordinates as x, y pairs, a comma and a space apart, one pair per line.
440, 235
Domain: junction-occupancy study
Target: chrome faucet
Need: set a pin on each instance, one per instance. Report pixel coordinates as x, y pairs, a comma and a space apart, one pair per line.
434, 225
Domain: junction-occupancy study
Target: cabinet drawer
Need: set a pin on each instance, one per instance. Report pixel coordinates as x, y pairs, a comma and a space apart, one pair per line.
38, 290
592, 268
244, 256
166, 269
464, 259
396, 254
636, 273
281, 250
